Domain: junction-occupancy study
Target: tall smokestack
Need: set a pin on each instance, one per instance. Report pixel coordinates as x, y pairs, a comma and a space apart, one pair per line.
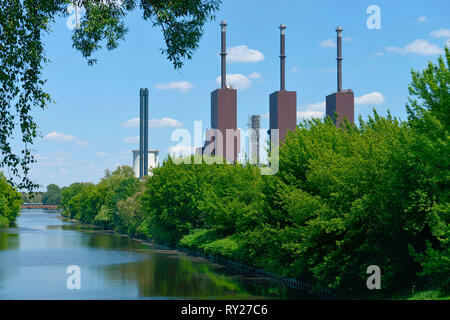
339, 58
223, 54
141, 135
282, 57
145, 132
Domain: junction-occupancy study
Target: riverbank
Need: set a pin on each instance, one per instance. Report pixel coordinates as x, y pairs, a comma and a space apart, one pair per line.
35, 255
39, 206
239, 267
322, 294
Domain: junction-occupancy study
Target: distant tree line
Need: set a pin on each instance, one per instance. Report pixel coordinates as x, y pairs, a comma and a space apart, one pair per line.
344, 199
52, 196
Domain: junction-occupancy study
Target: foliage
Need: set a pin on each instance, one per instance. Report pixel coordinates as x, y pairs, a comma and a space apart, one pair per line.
345, 198
99, 204
170, 200
429, 116
22, 56
34, 197
130, 213
52, 196
10, 201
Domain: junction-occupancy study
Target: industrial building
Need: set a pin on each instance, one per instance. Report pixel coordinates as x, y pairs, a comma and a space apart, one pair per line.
144, 159
152, 161
283, 104
254, 124
341, 102
223, 139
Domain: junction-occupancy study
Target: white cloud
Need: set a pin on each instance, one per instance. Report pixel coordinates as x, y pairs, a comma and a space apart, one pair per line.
370, 99
102, 154
52, 161
132, 123
40, 157
419, 46
313, 110
134, 139
441, 33
294, 69
316, 106
181, 150
154, 123
63, 153
164, 123
180, 86
348, 39
317, 110
255, 75
237, 80
82, 143
265, 115
329, 43
377, 54
422, 19
310, 114
244, 54
57, 136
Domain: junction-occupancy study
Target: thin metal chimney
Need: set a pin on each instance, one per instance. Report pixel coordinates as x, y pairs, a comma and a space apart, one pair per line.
141, 135
282, 57
145, 132
339, 58
223, 54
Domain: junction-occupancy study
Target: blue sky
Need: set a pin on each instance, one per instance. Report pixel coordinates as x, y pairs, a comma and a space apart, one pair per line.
89, 127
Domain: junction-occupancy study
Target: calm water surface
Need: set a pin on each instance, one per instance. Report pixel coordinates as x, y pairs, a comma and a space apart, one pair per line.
34, 257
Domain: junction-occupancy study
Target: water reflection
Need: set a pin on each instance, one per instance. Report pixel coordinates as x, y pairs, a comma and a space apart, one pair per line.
34, 257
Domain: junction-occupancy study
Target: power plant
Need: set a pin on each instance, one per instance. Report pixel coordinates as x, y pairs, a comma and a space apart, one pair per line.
343, 101
141, 161
152, 161
283, 104
223, 139
254, 124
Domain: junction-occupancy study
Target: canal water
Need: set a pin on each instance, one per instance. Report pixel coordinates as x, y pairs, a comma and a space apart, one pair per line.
35, 255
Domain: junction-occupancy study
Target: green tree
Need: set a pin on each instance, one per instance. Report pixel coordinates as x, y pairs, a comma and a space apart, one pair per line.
53, 195
22, 56
10, 201
429, 116
34, 197
114, 188
170, 200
